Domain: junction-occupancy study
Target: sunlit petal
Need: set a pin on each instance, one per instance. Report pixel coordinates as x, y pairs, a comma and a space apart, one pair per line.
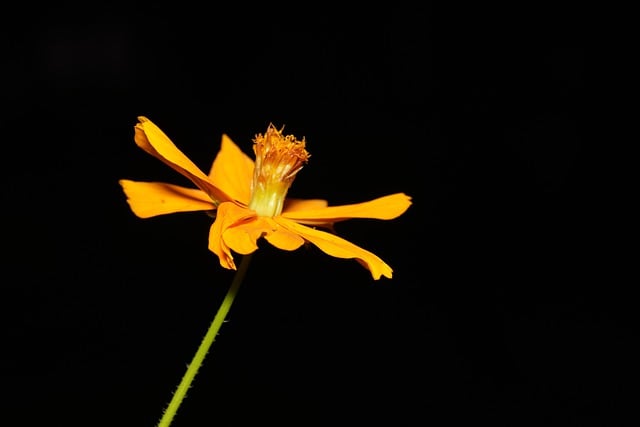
150, 138
217, 246
242, 237
339, 248
148, 199
232, 171
386, 207
228, 215
281, 237
294, 205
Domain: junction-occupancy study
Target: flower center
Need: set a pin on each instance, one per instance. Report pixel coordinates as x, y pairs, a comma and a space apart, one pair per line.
278, 159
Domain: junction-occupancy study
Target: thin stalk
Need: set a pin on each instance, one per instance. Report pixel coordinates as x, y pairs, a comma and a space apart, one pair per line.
208, 339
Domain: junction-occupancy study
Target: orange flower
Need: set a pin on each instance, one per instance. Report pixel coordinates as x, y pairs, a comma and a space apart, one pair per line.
250, 198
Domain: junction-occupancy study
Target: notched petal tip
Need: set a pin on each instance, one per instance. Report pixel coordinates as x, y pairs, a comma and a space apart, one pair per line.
154, 141
339, 248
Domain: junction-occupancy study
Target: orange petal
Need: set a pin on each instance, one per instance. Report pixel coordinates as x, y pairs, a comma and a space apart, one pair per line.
281, 237
217, 246
338, 247
148, 199
294, 205
387, 207
232, 170
243, 237
151, 139
228, 215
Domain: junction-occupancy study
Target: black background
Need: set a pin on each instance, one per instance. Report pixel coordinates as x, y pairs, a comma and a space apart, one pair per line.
503, 307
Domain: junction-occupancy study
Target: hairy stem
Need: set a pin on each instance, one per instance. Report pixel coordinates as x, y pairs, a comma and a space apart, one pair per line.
208, 339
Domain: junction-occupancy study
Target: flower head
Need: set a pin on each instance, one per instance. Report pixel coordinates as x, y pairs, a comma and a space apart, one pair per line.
250, 198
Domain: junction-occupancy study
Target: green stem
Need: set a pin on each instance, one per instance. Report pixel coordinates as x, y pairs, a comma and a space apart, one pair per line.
208, 339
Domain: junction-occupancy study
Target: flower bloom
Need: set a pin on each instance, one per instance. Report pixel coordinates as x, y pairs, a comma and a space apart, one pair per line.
249, 198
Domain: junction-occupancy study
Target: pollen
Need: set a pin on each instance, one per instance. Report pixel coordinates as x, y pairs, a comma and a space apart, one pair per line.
279, 158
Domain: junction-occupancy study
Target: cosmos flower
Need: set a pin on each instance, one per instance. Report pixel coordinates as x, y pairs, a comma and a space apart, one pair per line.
249, 198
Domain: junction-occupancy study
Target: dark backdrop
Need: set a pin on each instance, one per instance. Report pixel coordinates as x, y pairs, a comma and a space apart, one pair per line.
500, 309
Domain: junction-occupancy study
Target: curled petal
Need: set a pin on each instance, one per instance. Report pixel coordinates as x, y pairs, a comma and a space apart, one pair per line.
242, 237
386, 207
339, 248
151, 139
217, 246
228, 215
148, 199
281, 237
232, 171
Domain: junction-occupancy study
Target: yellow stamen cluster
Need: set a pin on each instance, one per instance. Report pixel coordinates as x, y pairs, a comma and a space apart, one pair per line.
278, 159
